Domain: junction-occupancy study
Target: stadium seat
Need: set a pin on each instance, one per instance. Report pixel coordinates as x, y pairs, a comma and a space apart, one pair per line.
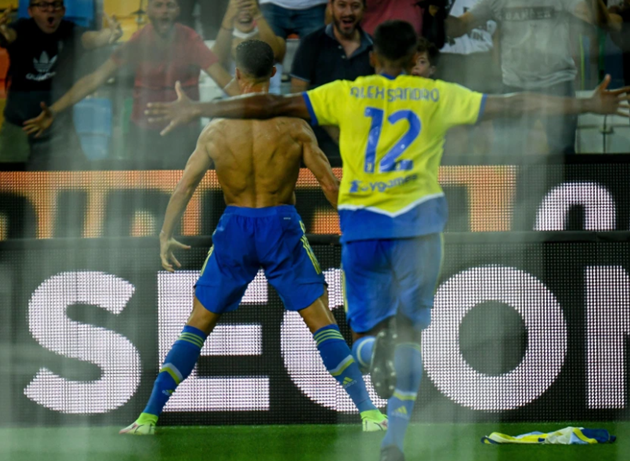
81, 12
93, 122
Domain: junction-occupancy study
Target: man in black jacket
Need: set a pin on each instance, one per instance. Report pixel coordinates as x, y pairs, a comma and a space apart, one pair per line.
43, 51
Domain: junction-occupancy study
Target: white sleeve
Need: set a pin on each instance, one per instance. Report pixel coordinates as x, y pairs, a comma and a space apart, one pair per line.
485, 10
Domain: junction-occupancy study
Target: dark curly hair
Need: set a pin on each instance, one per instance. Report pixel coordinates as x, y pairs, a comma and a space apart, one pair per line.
395, 41
255, 58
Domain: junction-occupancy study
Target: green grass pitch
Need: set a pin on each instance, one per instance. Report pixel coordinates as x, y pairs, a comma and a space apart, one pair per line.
431, 442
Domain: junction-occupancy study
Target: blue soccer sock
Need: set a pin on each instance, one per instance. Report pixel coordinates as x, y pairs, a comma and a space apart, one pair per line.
362, 351
178, 365
340, 363
408, 364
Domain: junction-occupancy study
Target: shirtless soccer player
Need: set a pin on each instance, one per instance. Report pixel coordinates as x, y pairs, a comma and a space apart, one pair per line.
391, 205
257, 164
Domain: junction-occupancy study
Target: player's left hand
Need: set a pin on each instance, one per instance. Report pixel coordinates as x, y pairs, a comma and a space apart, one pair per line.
179, 112
610, 102
167, 246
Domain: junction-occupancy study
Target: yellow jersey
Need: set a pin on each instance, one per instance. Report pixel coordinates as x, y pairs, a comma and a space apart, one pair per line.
392, 141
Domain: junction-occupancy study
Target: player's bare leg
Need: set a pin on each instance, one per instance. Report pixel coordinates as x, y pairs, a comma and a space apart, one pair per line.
339, 362
201, 318
177, 366
318, 315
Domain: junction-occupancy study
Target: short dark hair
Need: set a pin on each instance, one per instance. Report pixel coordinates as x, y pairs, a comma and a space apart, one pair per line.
428, 47
255, 58
395, 41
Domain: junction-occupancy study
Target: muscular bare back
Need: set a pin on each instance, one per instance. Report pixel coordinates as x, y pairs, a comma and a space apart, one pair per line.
258, 162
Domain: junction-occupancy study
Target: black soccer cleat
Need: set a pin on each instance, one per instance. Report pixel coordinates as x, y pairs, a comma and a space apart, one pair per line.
392, 453
382, 368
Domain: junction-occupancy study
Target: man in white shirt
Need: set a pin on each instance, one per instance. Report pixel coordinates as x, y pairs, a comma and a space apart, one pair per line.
299, 17
471, 61
535, 41
468, 60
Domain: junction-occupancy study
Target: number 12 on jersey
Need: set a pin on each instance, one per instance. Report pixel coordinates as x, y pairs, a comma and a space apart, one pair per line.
390, 161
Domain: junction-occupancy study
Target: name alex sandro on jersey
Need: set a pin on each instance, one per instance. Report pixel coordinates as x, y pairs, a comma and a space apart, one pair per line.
395, 94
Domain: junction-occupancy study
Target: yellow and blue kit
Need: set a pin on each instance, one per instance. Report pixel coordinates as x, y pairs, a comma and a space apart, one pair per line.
392, 141
248, 239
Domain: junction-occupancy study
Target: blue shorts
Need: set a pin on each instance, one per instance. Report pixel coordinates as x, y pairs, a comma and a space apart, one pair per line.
386, 277
248, 239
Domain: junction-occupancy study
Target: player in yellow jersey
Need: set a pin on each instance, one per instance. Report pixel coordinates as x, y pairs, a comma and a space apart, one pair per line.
391, 206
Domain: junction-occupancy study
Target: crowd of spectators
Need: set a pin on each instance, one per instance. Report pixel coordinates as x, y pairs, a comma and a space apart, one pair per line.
491, 46
43, 52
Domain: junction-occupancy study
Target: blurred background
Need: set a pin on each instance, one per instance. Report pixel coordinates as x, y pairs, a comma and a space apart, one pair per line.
532, 316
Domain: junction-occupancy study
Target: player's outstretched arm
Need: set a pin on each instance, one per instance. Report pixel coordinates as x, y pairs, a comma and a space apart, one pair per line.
259, 106
198, 163
316, 161
602, 102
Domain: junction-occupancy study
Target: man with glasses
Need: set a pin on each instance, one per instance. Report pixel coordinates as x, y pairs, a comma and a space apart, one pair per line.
162, 53
43, 51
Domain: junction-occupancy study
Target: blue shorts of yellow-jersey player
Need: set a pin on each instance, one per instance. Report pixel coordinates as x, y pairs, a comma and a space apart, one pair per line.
248, 239
383, 278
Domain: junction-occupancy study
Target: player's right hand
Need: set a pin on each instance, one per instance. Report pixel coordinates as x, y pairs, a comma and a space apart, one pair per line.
36, 126
179, 112
167, 246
